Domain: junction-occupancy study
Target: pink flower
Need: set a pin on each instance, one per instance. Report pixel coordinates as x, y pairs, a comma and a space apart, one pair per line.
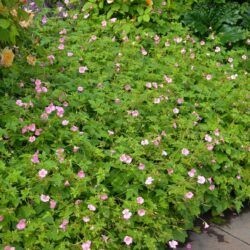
32, 138
238, 177
188, 246
170, 171
168, 79
157, 39
217, 49
80, 89
86, 245
126, 158
61, 46
52, 204
83, 69
64, 224
63, 32
81, 174
49, 109
44, 198
201, 179
134, 113
19, 103
192, 172
211, 187
141, 212
42, 173
126, 214
189, 195
105, 238
1, 218
217, 132
74, 128
51, 59
9, 248
180, 100
141, 166
173, 244
149, 181
210, 147
208, 138
140, 200
209, 77
75, 149
35, 158
104, 197
60, 111
113, 20
91, 207
65, 122
143, 52
128, 240
61, 39
144, 142
202, 43
149, 85
38, 131
185, 151
104, 23
66, 183
206, 225
21, 224
69, 54
86, 219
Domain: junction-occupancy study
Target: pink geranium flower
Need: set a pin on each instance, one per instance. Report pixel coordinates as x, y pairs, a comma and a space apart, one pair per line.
189, 195
91, 207
141, 166
9, 248
52, 204
21, 224
64, 224
192, 172
35, 158
208, 138
201, 179
44, 198
141, 212
126, 214
83, 69
86, 219
126, 158
42, 173
61, 46
185, 151
86, 245
128, 240
81, 174
139, 200
173, 244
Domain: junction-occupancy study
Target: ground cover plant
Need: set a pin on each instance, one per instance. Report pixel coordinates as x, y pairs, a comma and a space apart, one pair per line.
117, 137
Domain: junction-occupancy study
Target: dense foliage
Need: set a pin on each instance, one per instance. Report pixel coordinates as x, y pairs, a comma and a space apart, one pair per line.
13, 20
231, 21
119, 137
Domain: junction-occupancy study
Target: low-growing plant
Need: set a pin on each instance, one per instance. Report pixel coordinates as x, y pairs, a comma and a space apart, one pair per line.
119, 137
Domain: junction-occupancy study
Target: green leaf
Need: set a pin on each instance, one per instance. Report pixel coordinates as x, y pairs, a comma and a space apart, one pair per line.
4, 23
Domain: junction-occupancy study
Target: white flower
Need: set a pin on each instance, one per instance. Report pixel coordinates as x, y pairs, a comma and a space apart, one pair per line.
149, 181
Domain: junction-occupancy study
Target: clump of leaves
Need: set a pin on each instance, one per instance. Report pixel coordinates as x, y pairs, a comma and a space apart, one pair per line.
229, 21
13, 22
